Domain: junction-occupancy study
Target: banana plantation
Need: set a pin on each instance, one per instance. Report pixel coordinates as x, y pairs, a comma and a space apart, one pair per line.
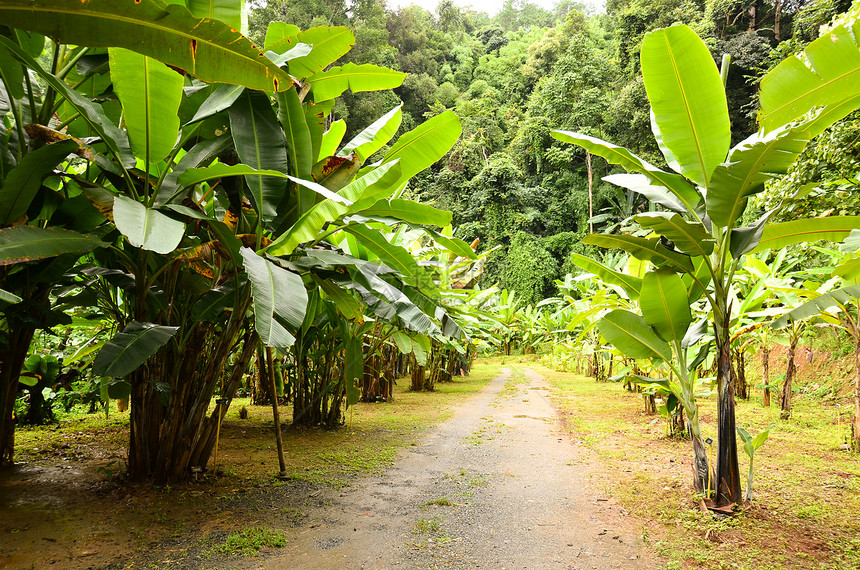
318, 207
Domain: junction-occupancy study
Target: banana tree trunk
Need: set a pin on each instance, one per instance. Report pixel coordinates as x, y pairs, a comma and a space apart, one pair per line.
166, 439
790, 372
10, 369
12, 359
765, 376
146, 415
855, 441
728, 481
208, 439
417, 375
701, 469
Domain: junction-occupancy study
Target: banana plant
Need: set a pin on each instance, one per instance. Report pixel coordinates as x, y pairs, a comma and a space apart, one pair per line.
46, 220
507, 312
696, 236
837, 307
751, 445
201, 179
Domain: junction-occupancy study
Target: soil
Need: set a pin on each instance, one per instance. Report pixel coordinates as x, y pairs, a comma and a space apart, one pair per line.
498, 485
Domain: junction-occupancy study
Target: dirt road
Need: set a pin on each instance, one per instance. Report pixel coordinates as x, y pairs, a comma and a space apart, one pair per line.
496, 486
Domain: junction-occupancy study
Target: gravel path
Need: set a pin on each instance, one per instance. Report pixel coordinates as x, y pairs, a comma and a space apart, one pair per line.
495, 486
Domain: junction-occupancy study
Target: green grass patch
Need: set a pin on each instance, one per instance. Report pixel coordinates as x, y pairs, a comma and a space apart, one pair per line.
440, 502
804, 512
249, 542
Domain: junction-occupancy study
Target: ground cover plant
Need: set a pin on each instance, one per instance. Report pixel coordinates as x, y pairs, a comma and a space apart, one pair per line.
804, 514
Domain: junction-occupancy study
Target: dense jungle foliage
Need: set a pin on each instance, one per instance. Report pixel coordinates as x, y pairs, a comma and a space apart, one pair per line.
515, 76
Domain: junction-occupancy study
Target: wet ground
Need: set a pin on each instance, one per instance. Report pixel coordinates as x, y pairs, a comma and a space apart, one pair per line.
495, 486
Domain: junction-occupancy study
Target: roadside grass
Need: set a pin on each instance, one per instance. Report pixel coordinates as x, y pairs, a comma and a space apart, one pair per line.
249, 542
806, 505
366, 444
77, 435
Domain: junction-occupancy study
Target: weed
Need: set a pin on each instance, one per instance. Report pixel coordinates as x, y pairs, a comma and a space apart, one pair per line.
249, 542
811, 512
424, 526
440, 502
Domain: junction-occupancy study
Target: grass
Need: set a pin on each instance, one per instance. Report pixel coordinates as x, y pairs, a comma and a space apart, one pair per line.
806, 507
249, 542
367, 444
427, 526
440, 502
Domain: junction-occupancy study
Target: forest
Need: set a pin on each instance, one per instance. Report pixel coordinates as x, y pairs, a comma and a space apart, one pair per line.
303, 202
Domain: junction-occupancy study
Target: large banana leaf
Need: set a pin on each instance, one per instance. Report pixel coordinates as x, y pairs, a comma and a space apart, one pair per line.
203, 152
619, 155
347, 304
832, 228
279, 297
329, 84
631, 285
29, 243
130, 348
150, 93
208, 49
375, 136
92, 113
745, 239
230, 12
687, 100
298, 137
392, 255
319, 189
260, 143
193, 176
751, 163
222, 98
12, 74
837, 297
146, 228
23, 182
381, 297
408, 211
329, 44
828, 115
9, 298
702, 274
640, 184
390, 303
425, 144
331, 139
664, 304
691, 238
630, 334
212, 305
642, 248
335, 172
827, 73
374, 185
455, 245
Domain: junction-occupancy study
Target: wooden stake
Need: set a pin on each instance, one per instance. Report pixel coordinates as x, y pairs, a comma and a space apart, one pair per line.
276, 413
